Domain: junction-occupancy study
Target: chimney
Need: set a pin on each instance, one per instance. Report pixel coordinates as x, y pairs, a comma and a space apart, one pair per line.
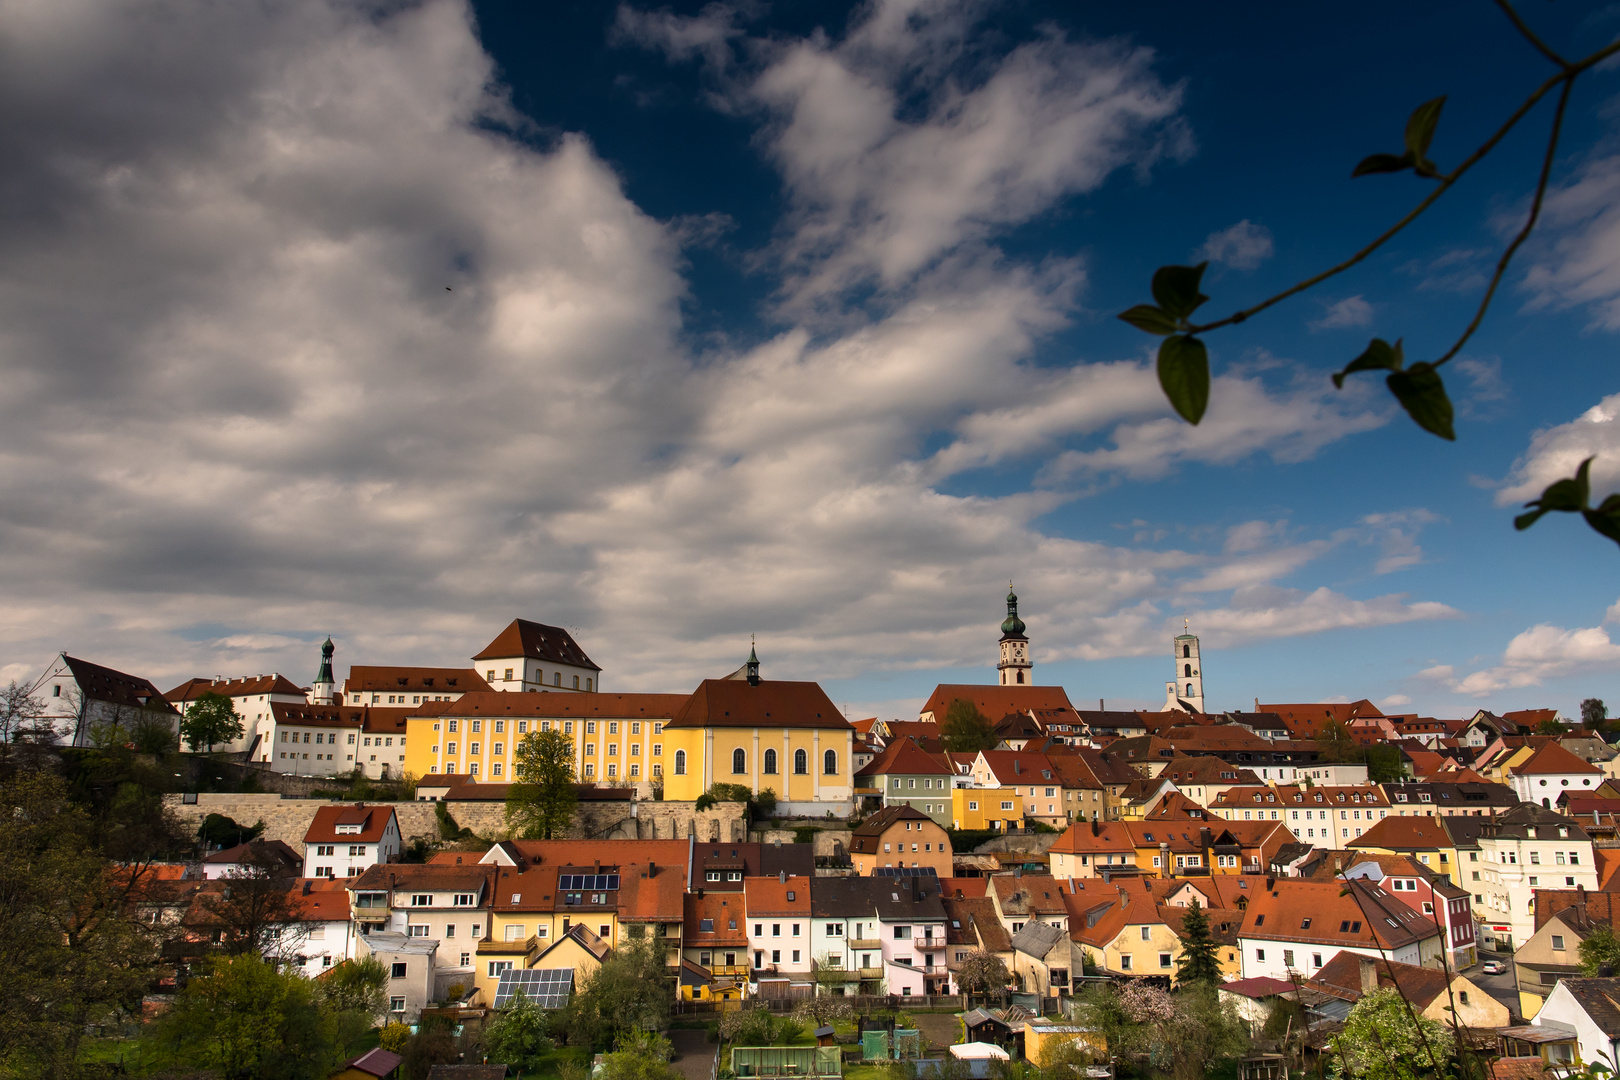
781, 877
307, 884
652, 869
1164, 858
1100, 706
1095, 829
1271, 883
1369, 975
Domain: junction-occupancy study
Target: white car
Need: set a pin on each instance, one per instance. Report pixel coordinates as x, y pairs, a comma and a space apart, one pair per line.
1494, 967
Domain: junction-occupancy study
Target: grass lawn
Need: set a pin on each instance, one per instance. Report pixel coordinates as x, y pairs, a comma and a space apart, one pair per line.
866, 1072
114, 1051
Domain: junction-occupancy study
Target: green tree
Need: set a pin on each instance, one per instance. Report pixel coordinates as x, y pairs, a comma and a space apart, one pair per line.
983, 973
629, 992
210, 719
516, 1034
1600, 949
1206, 1032
1380, 1041
1334, 743
74, 949
1384, 764
433, 1044
1549, 726
1594, 714
966, 730
540, 805
640, 1056
358, 986
250, 1021
1200, 959
20, 712
254, 910
219, 831
759, 1027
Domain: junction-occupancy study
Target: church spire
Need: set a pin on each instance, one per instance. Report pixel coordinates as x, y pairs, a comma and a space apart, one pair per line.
1016, 667
752, 666
325, 688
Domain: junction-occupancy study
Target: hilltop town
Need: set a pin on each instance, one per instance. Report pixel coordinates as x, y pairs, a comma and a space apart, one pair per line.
756, 847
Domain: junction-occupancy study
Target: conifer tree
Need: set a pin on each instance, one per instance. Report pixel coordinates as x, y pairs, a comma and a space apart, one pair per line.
1199, 961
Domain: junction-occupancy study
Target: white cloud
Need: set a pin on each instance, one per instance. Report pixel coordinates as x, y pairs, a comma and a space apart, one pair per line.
881, 188
1544, 652
1352, 311
1394, 701
1557, 452
1243, 246
1578, 253
244, 411
1396, 533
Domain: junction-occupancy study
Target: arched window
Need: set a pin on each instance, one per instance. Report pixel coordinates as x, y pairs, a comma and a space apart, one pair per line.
576, 682
801, 763
770, 762
587, 684
1189, 692
829, 763
680, 763
1186, 650
1187, 670
739, 761
1020, 677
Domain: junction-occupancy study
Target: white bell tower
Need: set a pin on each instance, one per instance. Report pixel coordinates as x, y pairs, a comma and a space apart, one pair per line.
1016, 668
1188, 686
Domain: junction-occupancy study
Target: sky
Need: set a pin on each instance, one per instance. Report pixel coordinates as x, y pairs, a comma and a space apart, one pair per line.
682, 325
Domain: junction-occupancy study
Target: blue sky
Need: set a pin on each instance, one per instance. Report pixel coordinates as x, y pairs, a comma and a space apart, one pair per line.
796, 320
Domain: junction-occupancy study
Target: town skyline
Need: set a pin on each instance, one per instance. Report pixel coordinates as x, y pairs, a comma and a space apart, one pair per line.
677, 325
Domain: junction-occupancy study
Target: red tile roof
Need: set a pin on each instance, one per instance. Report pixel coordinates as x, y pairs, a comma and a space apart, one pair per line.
768, 896
724, 911
904, 756
770, 704
373, 822
411, 680
536, 641
996, 701
537, 703
243, 686
1553, 758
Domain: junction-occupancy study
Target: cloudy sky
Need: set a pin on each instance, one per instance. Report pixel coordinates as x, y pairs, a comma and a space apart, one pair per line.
677, 324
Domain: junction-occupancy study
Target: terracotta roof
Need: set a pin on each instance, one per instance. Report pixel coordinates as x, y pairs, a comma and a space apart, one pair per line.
971, 888
652, 894
1087, 837
323, 716
1031, 894
1600, 998
723, 913
539, 704
377, 720
1306, 720
373, 822
405, 876
255, 850
531, 853
926, 733
1576, 906
1330, 913
536, 641
996, 701
770, 704
1107, 767
114, 687
965, 916
1100, 911
1517, 1068
1262, 986
1341, 976
364, 678
532, 888
1175, 806
1553, 758
769, 896
243, 686
881, 822
327, 900
1424, 833
1530, 717
1205, 769
1018, 767
905, 756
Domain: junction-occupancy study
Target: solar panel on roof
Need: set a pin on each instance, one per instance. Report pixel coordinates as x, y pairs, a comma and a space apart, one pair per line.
904, 871
588, 881
546, 987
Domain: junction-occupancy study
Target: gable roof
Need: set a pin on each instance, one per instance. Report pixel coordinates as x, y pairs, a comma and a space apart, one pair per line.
1341, 977
373, 822
767, 704
1342, 913
1553, 758
904, 756
966, 915
775, 896
1600, 998
876, 825
244, 686
411, 680
269, 851
1014, 767
1306, 720
1037, 938
105, 684
536, 641
298, 714
1425, 833
996, 701
538, 703
724, 915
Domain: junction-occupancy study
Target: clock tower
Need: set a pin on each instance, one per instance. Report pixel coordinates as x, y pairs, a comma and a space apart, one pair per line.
1016, 667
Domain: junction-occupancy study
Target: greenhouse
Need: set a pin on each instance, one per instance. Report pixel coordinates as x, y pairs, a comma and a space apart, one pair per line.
749, 1061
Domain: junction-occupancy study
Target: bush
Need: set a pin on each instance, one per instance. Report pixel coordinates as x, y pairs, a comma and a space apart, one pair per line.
393, 1037
965, 840
805, 834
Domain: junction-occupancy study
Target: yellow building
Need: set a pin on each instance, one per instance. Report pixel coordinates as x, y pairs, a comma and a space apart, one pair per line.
1041, 1037
787, 737
617, 737
986, 808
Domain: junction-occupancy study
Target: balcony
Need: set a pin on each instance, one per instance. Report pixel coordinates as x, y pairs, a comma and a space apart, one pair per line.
865, 943
729, 970
870, 973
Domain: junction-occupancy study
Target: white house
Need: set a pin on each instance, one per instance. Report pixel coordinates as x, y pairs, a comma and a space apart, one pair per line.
1295, 927
532, 656
272, 856
1526, 849
82, 701
1588, 1007
320, 935
311, 740
1550, 772
250, 696
345, 841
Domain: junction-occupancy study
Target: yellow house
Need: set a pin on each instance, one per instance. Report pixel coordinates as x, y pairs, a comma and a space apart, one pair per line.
787, 737
1132, 926
617, 737
1041, 1037
986, 808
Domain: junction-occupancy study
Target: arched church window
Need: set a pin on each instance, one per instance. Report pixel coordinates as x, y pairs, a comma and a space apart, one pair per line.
770, 762
1189, 694
680, 763
829, 763
1020, 677
1187, 670
739, 761
1186, 650
801, 763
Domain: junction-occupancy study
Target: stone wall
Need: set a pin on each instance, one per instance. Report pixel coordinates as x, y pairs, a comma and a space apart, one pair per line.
288, 819
823, 839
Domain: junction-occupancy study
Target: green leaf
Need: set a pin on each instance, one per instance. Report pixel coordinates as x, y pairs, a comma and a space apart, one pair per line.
1524, 521
1147, 317
1423, 395
1570, 495
1605, 521
1176, 289
1184, 374
1380, 356
1420, 128
1382, 163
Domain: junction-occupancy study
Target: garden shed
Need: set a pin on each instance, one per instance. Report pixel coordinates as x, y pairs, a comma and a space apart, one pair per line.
812, 1061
